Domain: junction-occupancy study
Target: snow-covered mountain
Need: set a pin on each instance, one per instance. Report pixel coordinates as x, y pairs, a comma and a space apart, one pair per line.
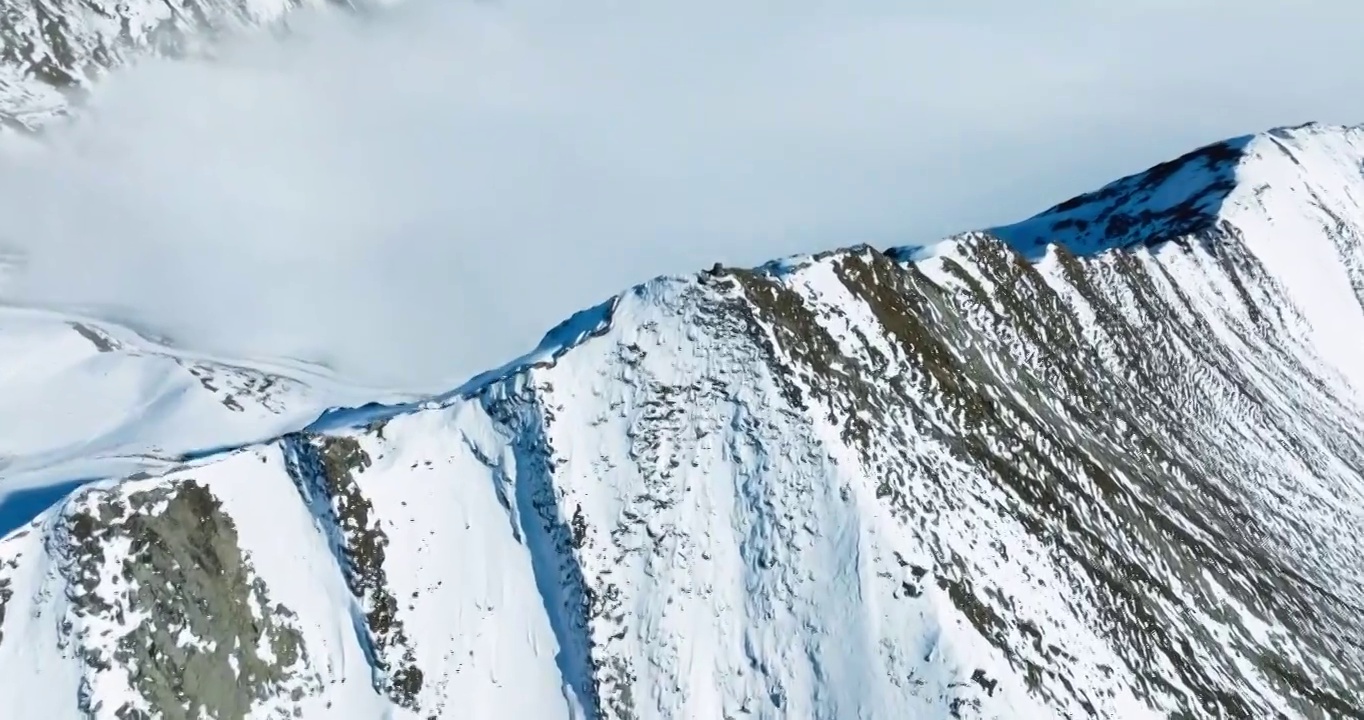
1106, 462
52, 50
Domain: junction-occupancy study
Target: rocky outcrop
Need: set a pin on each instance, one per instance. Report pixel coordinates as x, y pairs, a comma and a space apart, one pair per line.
324, 469
163, 598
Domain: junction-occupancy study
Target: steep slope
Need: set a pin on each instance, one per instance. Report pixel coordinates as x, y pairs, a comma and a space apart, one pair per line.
1113, 473
1291, 197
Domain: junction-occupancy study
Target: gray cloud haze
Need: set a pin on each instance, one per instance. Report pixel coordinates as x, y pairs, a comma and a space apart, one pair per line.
417, 196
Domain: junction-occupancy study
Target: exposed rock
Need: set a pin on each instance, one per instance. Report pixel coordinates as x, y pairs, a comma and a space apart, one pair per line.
325, 473
163, 596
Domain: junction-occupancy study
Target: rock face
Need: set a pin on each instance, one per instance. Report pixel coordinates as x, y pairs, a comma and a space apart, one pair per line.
195, 634
324, 470
1107, 462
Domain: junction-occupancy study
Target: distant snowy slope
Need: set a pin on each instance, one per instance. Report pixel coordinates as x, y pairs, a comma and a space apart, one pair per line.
1048, 470
51, 50
81, 399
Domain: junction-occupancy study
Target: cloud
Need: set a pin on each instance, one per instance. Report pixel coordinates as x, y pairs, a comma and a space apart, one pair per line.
417, 195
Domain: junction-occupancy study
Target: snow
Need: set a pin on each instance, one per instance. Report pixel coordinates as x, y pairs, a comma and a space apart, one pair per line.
49, 72
1296, 195
563, 337
1298, 202
1156, 205
657, 515
459, 566
83, 399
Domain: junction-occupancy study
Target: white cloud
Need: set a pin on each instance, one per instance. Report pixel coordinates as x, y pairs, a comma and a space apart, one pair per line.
417, 197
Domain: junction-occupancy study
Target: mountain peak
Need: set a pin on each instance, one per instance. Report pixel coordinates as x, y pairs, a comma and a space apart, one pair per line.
1286, 203
1173, 198
1185, 195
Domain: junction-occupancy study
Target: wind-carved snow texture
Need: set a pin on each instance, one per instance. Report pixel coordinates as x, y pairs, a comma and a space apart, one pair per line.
1117, 474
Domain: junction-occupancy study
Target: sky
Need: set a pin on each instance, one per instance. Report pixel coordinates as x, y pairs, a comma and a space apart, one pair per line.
417, 195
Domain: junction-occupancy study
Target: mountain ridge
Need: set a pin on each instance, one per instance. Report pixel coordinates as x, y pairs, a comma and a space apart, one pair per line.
1119, 484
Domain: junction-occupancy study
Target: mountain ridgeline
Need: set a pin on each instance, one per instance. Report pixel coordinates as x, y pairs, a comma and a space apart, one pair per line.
1107, 462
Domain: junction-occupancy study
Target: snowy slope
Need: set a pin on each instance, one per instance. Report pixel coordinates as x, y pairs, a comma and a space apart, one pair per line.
82, 399
1056, 469
1293, 197
52, 50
